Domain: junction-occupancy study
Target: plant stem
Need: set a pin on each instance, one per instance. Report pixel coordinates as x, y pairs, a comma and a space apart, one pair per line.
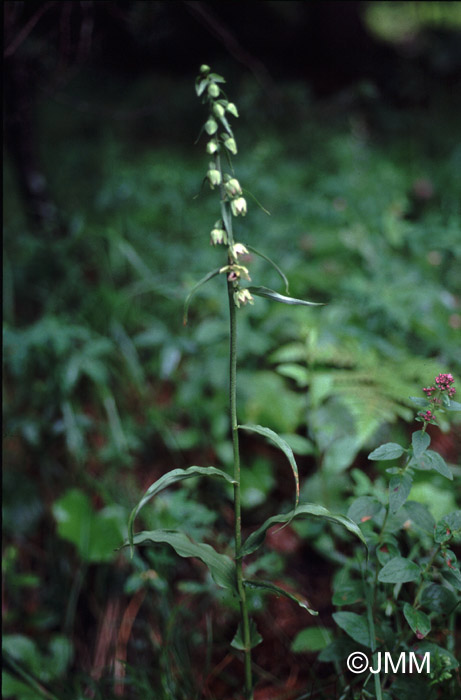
237, 504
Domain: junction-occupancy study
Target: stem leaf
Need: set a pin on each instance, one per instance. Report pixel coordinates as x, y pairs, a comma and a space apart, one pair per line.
238, 640
167, 480
282, 445
272, 588
275, 296
274, 265
221, 567
205, 279
256, 538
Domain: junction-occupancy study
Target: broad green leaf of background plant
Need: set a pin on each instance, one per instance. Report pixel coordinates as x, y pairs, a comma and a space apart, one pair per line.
96, 534
399, 570
311, 639
256, 538
356, 626
390, 450
420, 442
418, 621
221, 567
399, 488
439, 599
364, 508
272, 588
169, 479
282, 445
432, 460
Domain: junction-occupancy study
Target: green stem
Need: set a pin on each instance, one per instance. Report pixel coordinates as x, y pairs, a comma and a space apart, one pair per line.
237, 504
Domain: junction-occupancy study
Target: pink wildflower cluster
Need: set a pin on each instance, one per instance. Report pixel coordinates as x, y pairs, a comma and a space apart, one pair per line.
428, 416
443, 382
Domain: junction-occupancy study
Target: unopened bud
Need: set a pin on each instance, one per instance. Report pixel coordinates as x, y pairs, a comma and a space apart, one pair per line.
212, 147
211, 126
219, 110
232, 109
239, 206
213, 90
204, 68
230, 144
214, 177
232, 187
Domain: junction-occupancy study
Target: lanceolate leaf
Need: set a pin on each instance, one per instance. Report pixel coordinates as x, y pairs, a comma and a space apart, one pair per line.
207, 277
284, 446
272, 588
168, 479
256, 538
275, 296
221, 567
265, 257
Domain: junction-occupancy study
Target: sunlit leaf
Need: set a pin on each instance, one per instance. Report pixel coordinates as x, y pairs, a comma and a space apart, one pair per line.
275, 296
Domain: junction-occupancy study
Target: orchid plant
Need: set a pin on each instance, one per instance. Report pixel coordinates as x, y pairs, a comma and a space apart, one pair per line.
228, 571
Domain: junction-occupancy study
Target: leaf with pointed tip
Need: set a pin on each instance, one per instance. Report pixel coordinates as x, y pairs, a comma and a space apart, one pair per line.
256, 538
282, 445
272, 588
420, 441
274, 265
418, 621
221, 567
168, 479
275, 296
205, 279
390, 450
399, 488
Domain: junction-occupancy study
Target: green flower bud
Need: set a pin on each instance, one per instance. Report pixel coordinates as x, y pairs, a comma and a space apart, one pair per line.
232, 109
214, 177
204, 68
213, 90
230, 144
218, 236
212, 147
232, 187
219, 110
239, 206
211, 126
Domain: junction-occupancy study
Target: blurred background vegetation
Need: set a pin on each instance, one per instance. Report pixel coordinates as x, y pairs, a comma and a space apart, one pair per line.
350, 135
